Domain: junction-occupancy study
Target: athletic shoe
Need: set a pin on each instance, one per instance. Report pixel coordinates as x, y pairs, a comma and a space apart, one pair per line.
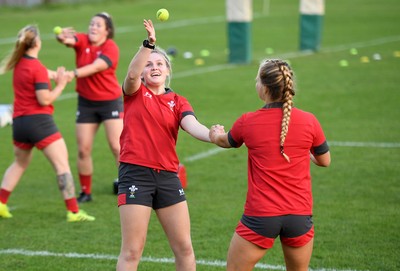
79, 216
83, 197
4, 212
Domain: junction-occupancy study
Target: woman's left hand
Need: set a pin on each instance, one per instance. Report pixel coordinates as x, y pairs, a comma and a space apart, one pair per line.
151, 32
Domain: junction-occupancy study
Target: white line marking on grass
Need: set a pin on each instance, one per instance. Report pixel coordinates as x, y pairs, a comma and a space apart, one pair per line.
217, 150
31, 253
364, 144
67, 96
53, 254
361, 44
343, 47
205, 154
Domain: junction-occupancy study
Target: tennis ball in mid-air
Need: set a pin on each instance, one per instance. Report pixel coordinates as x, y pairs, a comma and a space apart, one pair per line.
162, 14
57, 30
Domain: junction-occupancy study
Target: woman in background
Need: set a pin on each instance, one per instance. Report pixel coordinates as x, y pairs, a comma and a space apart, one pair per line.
99, 93
33, 124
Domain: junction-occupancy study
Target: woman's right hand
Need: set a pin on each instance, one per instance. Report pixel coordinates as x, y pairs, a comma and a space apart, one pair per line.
67, 32
216, 130
67, 36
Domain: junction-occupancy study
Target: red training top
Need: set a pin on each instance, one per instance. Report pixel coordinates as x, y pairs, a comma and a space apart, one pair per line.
275, 186
151, 124
101, 86
29, 76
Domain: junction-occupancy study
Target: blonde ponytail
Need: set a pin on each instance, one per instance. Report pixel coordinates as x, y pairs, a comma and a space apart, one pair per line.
25, 40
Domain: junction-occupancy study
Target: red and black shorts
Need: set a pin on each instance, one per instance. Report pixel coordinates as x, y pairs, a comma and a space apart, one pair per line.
98, 111
150, 187
293, 230
34, 130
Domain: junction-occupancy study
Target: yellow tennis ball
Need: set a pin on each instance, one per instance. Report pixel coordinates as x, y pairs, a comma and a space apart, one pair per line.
162, 14
57, 30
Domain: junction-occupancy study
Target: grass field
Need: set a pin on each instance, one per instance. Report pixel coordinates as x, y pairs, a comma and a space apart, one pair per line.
356, 200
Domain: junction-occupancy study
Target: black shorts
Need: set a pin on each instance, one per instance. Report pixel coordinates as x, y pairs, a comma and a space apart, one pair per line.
150, 187
293, 230
34, 130
98, 111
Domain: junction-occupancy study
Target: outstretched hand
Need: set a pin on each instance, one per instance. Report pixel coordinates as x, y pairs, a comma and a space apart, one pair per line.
151, 32
62, 77
66, 33
215, 131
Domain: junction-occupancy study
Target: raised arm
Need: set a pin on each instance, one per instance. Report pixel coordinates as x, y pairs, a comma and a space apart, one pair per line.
133, 77
67, 36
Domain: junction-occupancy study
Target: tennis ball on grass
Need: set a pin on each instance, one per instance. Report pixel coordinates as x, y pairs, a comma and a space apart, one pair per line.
205, 53
57, 30
343, 63
162, 14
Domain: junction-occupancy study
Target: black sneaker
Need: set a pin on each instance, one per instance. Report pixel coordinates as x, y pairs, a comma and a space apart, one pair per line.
83, 197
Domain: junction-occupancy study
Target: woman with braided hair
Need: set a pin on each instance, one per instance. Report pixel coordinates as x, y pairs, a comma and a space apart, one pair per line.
281, 142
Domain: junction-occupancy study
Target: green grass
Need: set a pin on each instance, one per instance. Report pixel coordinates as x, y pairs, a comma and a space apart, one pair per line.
356, 200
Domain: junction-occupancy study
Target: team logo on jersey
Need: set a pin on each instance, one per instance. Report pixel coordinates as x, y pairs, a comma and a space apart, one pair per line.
133, 189
87, 50
171, 105
148, 95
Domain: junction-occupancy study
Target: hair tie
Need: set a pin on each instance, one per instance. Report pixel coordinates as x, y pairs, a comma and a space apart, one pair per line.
284, 154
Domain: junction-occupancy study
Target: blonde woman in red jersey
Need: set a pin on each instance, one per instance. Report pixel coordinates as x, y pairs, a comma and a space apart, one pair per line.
281, 142
33, 124
99, 93
148, 161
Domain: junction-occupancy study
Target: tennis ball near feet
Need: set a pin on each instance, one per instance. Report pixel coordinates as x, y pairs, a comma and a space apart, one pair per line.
57, 30
162, 14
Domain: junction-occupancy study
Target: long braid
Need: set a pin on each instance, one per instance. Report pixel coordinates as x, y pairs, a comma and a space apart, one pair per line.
277, 76
288, 93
